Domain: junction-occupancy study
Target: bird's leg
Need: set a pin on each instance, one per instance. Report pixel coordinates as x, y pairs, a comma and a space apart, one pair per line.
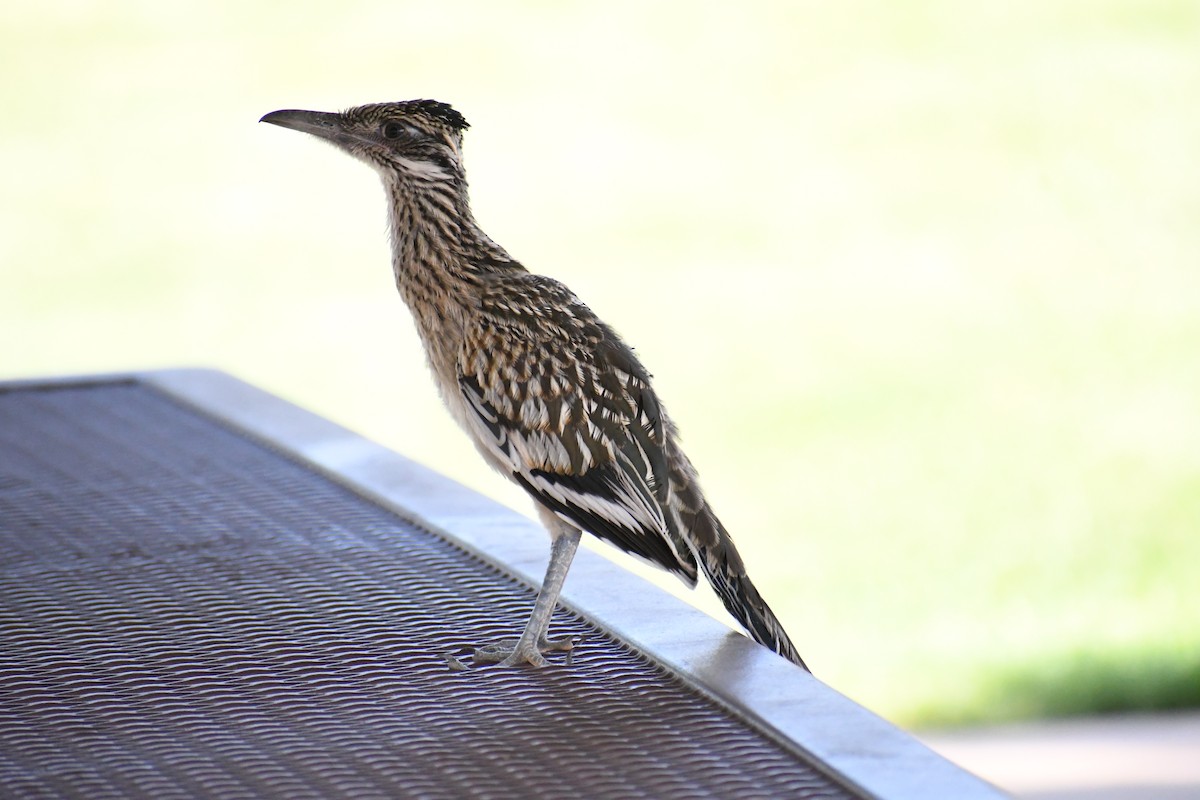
533, 642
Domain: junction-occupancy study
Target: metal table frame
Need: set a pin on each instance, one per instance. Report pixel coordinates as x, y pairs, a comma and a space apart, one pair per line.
850, 742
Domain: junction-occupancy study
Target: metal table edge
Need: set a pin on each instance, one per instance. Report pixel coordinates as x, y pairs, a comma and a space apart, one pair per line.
853, 744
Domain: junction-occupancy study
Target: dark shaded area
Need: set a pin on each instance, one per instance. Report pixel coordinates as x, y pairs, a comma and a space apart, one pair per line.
1104, 681
1087, 683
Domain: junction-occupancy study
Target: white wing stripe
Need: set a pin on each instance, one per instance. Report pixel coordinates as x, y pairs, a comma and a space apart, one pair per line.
608, 510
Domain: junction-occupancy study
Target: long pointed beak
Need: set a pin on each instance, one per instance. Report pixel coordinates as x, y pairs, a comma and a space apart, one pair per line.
319, 123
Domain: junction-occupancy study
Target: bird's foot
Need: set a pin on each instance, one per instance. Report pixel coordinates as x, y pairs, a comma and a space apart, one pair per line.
515, 652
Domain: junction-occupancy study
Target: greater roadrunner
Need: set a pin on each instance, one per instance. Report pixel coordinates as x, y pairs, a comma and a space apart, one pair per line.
550, 395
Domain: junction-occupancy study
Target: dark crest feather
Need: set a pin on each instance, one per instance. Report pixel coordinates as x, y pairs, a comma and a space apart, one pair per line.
438, 110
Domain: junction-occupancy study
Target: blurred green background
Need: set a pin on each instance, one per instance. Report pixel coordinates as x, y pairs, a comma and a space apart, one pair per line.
919, 282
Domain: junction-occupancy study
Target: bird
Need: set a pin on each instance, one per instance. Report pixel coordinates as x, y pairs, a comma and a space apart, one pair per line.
550, 395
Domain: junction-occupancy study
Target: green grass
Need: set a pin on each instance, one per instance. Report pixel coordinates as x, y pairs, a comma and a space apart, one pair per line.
918, 281
1104, 680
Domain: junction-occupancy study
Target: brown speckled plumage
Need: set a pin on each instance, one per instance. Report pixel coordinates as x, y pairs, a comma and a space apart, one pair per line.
550, 395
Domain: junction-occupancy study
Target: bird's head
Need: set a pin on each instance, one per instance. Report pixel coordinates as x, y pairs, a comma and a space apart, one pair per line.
416, 139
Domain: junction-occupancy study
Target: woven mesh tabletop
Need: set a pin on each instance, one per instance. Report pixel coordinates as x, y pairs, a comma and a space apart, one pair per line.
185, 612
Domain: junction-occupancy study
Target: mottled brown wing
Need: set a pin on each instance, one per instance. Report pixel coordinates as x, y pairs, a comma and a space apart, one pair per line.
573, 420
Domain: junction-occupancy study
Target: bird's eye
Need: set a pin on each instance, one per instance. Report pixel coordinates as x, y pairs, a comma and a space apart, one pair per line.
391, 130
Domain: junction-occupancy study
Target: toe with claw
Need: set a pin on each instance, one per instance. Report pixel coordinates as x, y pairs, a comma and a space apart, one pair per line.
515, 652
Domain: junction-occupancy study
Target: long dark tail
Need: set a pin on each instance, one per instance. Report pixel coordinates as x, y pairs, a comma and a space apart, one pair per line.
727, 574
695, 525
